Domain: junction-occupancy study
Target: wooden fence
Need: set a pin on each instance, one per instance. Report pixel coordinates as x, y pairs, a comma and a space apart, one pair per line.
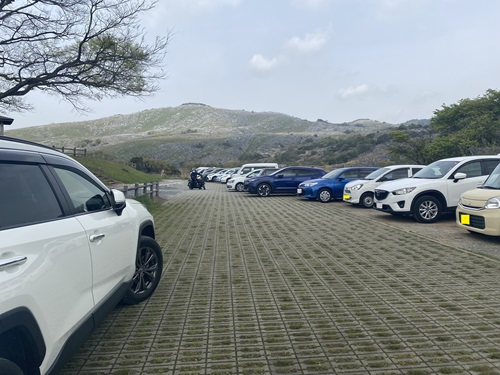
151, 188
72, 151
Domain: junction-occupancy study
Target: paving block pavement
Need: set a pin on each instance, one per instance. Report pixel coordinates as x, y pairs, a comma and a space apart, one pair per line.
281, 285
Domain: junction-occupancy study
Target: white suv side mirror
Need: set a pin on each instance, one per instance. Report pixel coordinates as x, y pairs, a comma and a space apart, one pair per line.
119, 201
459, 176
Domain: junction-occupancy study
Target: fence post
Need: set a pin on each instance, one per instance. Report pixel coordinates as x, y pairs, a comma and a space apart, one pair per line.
125, 190
157, 188
136, 190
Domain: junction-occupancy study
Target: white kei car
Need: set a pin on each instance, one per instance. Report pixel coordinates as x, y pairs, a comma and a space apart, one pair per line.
361, 191
236, 182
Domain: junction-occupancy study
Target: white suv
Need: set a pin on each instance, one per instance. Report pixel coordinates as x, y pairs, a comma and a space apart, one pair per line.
361, 191
70, 250
434, 189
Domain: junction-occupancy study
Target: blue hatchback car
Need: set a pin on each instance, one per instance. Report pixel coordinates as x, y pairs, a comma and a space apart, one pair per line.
284, 180
331, 185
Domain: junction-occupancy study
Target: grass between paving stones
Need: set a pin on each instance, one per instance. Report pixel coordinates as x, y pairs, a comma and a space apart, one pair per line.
249, 293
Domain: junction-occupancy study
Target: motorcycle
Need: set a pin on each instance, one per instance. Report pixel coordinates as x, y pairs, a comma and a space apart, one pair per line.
199, 183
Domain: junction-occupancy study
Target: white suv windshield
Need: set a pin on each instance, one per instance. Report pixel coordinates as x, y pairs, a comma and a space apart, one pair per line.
436, 170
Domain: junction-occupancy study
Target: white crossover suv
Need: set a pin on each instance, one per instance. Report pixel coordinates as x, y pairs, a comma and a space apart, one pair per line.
434, 189
70, 250
361, 191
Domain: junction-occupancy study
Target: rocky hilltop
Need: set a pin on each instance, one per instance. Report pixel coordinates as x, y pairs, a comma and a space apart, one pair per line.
193, 132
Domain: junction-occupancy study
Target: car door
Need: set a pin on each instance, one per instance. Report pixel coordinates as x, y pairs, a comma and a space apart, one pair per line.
285, 180
475, 177
342, 179
111, 239
45, 263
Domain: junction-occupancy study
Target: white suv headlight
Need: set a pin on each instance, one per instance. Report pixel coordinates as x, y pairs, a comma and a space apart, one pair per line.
403, 191
492, 203
356, 187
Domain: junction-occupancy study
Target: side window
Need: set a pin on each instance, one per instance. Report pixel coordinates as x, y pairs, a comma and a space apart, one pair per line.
415, 170
353, 173
396, 174
246, 170
85, 195
306, 172
25, 196
471, 169
289, 173
490, 165
364, 172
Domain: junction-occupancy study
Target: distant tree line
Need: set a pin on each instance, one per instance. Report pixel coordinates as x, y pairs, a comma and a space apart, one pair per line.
469, 127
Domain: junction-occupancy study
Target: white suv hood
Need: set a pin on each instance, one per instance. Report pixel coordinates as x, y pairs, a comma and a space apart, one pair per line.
408, 182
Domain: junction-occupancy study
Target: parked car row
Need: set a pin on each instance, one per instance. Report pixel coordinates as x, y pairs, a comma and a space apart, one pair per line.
468, 186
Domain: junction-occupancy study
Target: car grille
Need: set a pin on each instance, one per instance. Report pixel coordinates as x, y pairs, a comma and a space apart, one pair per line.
477, 222
381, 194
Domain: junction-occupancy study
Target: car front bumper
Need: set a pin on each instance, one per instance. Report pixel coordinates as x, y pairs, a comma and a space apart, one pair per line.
479, 220
306, 192
351, 196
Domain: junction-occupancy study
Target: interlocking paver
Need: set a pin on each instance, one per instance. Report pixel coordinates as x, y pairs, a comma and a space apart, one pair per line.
280, 285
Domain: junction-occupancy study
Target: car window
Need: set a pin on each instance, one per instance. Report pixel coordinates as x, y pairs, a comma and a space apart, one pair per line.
490, 165
395, 174
471, 169
306, 172
436, 170
85, 195
362, 173
353, 173
288, 172
416, 169
25, 196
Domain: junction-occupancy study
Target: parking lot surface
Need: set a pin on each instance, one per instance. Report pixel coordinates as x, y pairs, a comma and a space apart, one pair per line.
281, 285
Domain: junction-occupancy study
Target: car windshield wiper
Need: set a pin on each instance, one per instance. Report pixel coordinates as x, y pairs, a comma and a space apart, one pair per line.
490, 187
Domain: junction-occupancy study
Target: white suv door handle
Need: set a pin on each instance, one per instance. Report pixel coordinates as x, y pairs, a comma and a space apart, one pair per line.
15, 261
96, 237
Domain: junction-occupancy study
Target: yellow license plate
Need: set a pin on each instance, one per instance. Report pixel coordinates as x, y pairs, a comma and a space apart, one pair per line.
347, 197
465, 219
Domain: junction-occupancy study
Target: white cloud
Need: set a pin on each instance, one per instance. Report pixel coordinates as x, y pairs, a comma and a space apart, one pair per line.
259, 62
353, 91
311, 42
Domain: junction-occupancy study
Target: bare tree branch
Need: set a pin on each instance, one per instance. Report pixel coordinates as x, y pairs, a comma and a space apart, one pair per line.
77, 49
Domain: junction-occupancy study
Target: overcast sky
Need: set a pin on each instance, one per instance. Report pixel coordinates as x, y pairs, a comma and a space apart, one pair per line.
335, 60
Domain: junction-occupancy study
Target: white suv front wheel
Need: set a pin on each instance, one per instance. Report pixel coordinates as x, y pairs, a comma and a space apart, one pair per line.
427, 209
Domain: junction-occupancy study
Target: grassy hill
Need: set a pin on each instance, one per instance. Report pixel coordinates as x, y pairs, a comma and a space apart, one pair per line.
197, 134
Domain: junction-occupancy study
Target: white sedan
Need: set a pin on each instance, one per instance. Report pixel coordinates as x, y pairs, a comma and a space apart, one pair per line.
237, 182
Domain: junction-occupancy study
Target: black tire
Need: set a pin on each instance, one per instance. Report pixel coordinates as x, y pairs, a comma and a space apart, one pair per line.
9, 367
324, 195
264, 190
149, 266
366, 200
427, 209
239, 186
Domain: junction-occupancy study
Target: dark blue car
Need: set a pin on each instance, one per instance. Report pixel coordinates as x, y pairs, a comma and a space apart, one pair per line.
284, 180
331, 185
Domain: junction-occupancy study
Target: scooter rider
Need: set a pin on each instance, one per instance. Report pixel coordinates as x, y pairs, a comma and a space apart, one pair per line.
196, 178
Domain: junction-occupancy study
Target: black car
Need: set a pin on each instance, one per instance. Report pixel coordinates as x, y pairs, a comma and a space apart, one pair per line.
284, 180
